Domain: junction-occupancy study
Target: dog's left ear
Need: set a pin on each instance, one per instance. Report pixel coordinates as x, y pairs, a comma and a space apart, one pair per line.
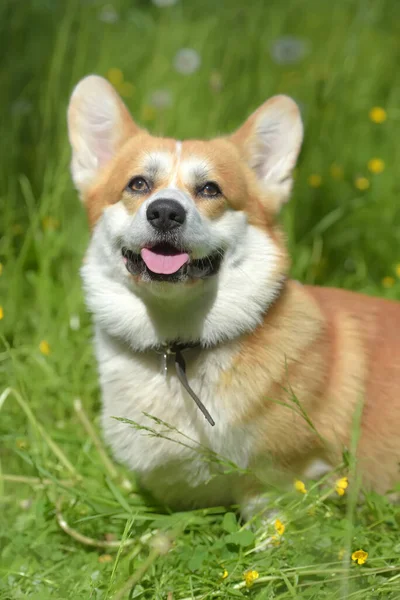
270, 140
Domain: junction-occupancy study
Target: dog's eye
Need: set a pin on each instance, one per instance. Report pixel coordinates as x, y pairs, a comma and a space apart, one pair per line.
210, 189
138, 184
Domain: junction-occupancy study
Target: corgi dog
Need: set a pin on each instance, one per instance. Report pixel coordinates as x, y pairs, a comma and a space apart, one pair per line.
202, 340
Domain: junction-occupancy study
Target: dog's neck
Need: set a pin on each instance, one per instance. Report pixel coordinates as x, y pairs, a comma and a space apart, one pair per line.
192, 326
206, 321
210, 312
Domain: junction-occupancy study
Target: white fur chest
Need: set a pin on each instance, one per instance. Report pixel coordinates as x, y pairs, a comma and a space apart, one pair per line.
175, 465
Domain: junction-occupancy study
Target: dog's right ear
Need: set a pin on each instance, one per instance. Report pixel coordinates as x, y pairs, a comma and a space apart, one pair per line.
98, 125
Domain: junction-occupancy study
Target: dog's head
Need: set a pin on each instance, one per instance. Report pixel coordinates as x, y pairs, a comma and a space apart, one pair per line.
184, 230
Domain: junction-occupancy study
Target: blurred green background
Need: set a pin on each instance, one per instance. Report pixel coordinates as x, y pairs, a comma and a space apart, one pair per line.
185, 68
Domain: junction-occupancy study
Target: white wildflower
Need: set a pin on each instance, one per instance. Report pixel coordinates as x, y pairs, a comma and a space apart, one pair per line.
108, 14
161, 99
187, 61
288, 50
74, 322
162, 3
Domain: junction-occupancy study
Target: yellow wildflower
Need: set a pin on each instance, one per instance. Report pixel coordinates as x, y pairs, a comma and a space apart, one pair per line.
50, 223
300, 487
376, 165
315, 181
115, 76
148, 113
275, 540
250, 577
126, 89
1, 313
224, 574
336, 171
397, 270
341, 485
361, 183
44, 347
377, 114
279, 527
359, 556
388, 281
103, 558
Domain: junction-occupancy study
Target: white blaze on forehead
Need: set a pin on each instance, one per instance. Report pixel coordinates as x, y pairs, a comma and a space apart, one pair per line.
174, 175
164, 164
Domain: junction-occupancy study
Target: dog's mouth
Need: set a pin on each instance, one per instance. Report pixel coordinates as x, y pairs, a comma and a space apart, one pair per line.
165, 262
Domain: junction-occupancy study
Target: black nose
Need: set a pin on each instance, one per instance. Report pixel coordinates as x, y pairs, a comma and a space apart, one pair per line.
165, 214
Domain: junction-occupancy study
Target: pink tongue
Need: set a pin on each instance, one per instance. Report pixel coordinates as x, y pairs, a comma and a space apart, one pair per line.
161, 263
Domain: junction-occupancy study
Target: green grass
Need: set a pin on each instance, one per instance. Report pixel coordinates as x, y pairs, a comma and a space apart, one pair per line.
338, 235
